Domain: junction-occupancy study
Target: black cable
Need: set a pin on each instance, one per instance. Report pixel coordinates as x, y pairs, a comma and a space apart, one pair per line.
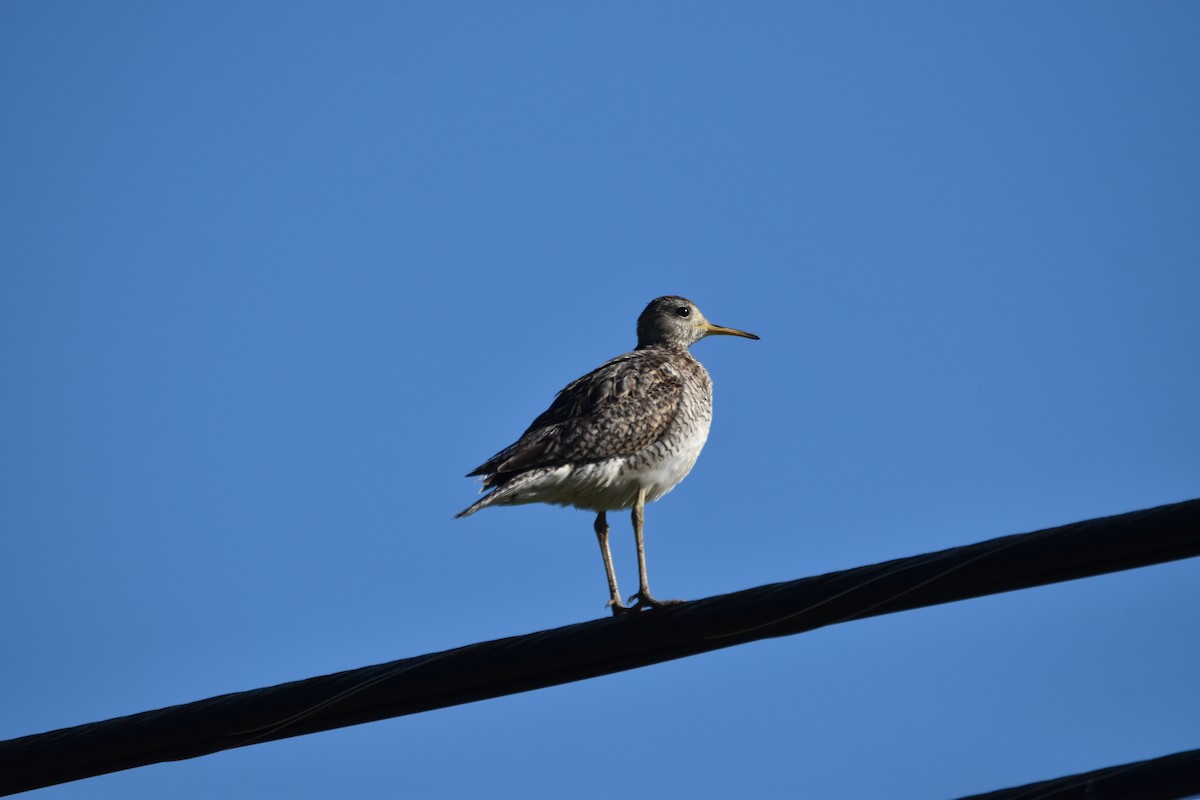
601, 647
1171, 777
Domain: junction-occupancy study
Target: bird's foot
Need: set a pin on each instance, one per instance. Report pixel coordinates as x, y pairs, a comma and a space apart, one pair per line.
617, 607
647, 601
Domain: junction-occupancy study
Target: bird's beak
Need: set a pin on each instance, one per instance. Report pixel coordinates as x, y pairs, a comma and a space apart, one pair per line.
717, 330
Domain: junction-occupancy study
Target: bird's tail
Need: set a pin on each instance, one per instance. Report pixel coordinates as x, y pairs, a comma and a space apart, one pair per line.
506, 489
494, 493
482, 502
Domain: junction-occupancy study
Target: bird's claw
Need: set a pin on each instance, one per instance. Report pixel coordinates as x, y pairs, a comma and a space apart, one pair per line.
617, 607
639, 602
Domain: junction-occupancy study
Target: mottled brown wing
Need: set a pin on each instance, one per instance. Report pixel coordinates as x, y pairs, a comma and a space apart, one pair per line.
615, 410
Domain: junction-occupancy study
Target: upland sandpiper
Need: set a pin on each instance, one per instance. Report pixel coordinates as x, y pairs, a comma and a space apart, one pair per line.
621, 436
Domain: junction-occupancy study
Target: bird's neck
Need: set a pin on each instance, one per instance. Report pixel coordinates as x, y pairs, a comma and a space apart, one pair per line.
663, 347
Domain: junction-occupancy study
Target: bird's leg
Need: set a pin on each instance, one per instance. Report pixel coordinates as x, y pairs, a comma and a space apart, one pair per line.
601, 528
643, 597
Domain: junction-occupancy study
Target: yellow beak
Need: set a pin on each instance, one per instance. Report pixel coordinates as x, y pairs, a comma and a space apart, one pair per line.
717, 330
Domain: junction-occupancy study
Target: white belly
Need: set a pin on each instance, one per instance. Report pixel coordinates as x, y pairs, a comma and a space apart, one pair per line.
614, 483
663, 476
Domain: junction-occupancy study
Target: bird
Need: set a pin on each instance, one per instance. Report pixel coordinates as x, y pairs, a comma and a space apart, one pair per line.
619, 437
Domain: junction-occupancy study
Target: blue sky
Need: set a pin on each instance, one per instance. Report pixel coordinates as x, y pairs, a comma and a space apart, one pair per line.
274, 276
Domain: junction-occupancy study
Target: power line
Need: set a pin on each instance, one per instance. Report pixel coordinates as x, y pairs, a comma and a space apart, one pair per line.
601, 647
1168, 778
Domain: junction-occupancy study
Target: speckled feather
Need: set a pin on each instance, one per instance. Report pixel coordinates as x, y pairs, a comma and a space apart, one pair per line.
631, 428
618, 409
621, 436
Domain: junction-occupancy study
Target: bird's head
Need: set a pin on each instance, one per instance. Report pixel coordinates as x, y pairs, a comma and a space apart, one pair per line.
676, 321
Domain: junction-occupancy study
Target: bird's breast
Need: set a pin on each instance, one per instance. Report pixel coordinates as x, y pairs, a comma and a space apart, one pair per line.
660, 472
660, 467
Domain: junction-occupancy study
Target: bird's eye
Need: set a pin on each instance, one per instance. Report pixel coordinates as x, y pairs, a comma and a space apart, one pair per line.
682, 311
